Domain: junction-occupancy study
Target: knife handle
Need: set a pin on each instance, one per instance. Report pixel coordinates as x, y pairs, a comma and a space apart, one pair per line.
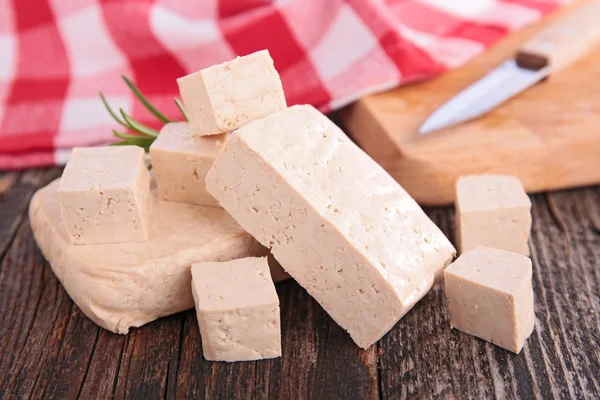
564, 42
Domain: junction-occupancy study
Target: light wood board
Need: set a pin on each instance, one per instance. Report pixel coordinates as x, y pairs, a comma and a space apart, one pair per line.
548, 136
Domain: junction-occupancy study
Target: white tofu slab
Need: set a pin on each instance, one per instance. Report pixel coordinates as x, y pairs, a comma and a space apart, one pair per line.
335, 220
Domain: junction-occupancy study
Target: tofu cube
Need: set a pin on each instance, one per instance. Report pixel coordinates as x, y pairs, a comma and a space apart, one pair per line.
340, 225
238, 309
490, 296
492, 211
104, 195
226, 96
181, 160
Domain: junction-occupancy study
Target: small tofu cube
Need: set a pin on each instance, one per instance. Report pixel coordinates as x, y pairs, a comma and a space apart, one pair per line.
104, 195
238, 309
490, 296
181, 160
226, 96
492, 211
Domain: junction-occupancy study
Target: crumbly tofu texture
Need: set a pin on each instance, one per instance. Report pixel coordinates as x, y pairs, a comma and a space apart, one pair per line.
492, 211
490, 296
226, 96
334, 219
119, 286
181, 160
105, 195
238, 309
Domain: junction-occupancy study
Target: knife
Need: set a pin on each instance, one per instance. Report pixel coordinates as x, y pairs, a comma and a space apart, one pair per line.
553, 49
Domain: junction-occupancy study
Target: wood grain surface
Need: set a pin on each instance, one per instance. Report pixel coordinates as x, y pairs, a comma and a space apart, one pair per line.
49, 349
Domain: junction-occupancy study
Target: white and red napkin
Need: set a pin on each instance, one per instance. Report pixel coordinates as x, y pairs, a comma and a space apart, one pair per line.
56, 55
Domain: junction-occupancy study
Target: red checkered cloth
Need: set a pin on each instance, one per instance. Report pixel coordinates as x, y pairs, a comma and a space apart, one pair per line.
56, 55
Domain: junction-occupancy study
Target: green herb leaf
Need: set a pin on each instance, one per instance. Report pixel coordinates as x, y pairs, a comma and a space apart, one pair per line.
144, 101
127, 136
180, 106
110, 111
143, 143
136, 126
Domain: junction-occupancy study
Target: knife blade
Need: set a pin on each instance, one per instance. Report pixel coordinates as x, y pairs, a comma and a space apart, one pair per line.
551, 50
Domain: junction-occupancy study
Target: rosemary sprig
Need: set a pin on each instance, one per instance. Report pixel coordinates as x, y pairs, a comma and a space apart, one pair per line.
136, 126
145, 135
144, 101
110, 111
140, 141
180, 106
127, 136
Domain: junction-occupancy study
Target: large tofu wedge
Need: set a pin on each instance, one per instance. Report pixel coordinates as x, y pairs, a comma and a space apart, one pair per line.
334, 219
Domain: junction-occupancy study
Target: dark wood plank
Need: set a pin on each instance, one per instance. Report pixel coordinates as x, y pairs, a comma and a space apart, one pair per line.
146, 358
571, 268
16, 190
201, 379
65, 370
104, 366
590, 199
7, 180
35, 313
319, 360
423, 357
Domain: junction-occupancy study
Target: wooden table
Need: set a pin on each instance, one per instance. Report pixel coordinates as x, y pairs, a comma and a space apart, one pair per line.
48, 348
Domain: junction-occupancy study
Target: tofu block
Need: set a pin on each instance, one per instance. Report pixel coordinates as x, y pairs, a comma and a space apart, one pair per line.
490, 296
335, 220
124, 285
105, 196
226, 96
492, 211
238, 309
181, 160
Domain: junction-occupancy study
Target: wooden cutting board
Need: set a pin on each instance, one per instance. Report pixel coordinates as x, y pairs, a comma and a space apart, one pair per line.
548, 136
